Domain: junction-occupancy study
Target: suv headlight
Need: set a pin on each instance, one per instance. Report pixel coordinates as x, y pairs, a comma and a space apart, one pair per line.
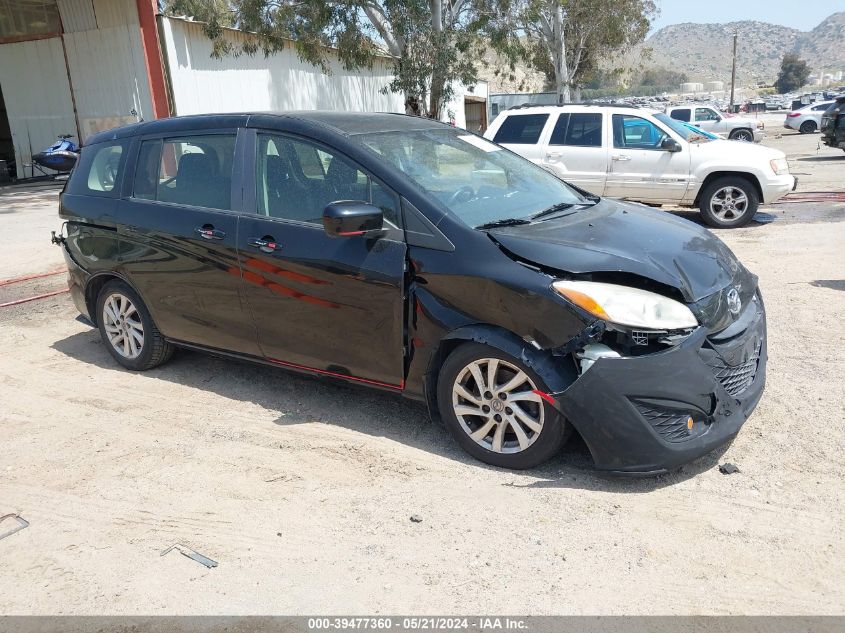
627, 306
779, 166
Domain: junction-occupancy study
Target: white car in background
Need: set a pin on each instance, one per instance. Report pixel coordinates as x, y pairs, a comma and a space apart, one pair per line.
625, 152
807, 119
735, 128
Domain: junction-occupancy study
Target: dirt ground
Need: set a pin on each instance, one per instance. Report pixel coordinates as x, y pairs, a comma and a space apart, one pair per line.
303, 490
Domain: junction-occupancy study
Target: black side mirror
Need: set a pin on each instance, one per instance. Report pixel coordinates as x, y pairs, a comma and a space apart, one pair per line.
670, 145
346, 218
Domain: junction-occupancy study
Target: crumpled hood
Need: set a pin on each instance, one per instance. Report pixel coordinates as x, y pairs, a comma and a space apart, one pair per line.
615, 236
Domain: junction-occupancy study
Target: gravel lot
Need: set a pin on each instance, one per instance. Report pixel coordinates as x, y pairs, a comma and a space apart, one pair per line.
303, 490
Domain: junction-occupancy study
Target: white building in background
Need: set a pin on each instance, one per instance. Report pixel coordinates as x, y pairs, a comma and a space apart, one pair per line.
81, 66
692, 87
714, 86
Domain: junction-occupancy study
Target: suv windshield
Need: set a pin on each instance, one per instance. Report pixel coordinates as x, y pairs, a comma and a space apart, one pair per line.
685, 131
477, 180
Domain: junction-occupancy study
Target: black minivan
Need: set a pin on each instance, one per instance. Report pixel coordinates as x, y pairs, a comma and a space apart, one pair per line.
415, 257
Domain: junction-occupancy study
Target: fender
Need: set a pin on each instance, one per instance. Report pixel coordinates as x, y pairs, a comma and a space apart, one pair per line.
96, 281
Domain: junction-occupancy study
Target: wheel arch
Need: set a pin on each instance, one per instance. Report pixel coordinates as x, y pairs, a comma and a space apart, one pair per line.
95, 284
552, 370
728, 173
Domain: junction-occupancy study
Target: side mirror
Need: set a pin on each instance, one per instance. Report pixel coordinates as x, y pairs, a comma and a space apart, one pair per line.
346, 218
670, 145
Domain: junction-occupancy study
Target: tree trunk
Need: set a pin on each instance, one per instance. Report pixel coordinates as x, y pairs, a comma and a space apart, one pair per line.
437, 79
558, 46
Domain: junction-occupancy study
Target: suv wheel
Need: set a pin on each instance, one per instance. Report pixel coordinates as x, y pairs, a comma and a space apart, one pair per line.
491, 404
127, 329
728, 202
807, 127
742, 135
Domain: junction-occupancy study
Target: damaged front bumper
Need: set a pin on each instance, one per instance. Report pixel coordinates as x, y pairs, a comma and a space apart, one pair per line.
635, 412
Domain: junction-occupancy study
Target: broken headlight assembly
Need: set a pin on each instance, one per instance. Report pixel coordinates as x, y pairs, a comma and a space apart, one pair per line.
630, 307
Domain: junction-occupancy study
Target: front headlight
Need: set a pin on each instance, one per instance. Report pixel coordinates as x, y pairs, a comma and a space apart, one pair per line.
779, 166
627, 306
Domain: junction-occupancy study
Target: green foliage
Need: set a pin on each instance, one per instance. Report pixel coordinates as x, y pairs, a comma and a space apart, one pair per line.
432, 42
793, 73
572, 41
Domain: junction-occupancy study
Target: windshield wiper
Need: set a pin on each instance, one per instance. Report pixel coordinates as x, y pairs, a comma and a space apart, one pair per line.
560, 206
504, 222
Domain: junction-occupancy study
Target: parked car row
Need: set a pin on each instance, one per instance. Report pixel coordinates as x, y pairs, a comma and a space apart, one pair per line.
626, 152
833, 125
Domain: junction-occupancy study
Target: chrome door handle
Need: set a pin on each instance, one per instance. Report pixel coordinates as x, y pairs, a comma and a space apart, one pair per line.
265, 244
621, 157
553, 155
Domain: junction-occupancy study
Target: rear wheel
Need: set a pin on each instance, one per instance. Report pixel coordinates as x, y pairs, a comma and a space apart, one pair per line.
728, 202
127, 329
742, 135
807, 127
491, 403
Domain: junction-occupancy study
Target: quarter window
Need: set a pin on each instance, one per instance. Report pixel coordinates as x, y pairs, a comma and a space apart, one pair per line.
579, 129
297, 180
191, 170
521, 129
681, 114
635, 132
99, 170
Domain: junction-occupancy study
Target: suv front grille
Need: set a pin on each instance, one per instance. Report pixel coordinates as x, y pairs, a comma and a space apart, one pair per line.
736, 379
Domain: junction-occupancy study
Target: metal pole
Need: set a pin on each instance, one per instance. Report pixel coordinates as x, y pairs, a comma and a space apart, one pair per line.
733, 72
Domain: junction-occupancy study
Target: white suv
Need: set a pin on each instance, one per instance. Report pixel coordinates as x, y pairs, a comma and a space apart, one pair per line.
625, 152
705, 117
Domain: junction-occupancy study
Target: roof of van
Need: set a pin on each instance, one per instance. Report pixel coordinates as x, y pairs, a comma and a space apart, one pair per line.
345, 123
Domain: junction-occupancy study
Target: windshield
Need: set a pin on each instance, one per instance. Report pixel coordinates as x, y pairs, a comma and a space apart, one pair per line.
689, 133
477, 180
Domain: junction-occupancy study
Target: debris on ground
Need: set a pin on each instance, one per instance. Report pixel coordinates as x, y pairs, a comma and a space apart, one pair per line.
416, 518
193, 555
21, 524
728, 469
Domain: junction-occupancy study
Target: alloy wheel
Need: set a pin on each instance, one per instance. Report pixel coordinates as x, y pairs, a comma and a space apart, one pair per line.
498, 406
729, 203
743, 136
123, 325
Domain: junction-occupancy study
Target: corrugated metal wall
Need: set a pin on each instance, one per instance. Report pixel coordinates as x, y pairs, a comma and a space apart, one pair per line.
37, 95
281, 82
77, 15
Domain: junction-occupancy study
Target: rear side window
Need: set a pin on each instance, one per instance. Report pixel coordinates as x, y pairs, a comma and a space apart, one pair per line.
191, 170
579, 129
99, 170
681, 114
521, 129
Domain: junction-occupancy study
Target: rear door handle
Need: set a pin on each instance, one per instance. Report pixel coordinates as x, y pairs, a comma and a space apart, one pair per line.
553, 155
265, 244
621, 157
208, 232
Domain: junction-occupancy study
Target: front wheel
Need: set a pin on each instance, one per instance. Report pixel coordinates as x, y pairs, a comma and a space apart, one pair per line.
742, 135
728, 202
492, 405
807, 127
127, 329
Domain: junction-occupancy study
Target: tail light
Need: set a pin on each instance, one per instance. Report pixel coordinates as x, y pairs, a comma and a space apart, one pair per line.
794, 114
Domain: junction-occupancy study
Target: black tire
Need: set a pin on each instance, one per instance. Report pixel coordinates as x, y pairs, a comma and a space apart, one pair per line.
153, 350
807, 127
742, 134
731, 219
554, 430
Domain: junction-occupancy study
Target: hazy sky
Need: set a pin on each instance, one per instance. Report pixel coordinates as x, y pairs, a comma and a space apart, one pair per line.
802, 15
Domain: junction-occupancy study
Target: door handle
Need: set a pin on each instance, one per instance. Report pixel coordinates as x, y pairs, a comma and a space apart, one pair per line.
621, 157
265, 244
208, 232
553, 155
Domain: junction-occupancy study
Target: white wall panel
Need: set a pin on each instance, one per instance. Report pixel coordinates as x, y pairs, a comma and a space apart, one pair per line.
280, 82
115, 12
37, 95
109, 77
77, 15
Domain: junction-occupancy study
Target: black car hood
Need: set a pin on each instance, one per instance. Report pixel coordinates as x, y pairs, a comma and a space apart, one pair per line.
614, 236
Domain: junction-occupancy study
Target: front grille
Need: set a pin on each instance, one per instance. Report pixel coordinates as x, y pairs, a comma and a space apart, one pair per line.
670, 424
736, 379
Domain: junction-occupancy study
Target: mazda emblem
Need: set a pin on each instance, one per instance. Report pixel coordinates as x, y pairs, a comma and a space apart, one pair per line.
734, 302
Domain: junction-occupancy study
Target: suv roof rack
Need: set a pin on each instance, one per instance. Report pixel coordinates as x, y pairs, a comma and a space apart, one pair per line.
612, 104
